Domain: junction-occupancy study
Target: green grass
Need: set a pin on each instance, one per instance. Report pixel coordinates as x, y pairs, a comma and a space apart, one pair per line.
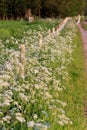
16, 28
84, 26
76, 91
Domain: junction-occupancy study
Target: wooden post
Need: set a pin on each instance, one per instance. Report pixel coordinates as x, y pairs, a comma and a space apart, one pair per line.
53, 30
40, 40
49, 33
57, 31
22, 71
22, 53
79, 17
16, 66
22, 60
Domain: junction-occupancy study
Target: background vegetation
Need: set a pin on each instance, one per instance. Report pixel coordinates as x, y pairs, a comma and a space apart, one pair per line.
14, 9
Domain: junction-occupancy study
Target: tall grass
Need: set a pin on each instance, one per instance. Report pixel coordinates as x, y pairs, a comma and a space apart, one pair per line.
54, 75
76, 90
16, 28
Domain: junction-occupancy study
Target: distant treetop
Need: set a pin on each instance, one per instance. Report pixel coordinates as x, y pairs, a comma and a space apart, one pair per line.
16, 9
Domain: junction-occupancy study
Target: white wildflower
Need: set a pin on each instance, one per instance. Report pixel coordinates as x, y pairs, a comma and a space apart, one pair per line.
37, 86
23, 97
15, 103
61, 123
35, 116
48, 95
38, 124
9, 66
7, 119
30, 124
19, 117
71, 122
6, 103
3, 83
1, 121
7, 41
5, 76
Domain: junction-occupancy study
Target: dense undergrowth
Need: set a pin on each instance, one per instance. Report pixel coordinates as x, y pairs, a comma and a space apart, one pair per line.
52, 93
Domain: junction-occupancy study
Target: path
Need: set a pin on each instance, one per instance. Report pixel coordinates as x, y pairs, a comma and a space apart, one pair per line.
84, 39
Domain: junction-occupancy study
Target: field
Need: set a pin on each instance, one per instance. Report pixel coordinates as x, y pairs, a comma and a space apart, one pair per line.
49, 92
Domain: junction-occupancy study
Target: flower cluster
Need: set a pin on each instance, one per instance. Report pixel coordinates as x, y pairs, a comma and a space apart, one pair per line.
33, 102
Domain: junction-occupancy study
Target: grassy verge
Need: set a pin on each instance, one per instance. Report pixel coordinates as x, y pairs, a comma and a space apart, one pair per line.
76, 91
83, 23
16, 28
84, 26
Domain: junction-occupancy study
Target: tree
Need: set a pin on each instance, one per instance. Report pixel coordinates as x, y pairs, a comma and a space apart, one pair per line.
10, 9
35, 6
49, 8
85, 7
71, 8
3, 9
43, 8
19, 8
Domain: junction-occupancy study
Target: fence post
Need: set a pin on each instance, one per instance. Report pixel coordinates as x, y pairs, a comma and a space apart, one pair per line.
40, 40
16, 66
53, 31
49, 33
57, 31
22, 60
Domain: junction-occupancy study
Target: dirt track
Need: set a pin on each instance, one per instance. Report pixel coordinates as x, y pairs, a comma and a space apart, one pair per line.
84, 39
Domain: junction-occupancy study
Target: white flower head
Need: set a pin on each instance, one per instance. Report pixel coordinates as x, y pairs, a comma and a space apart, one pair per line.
20, 118
35, 116
30, 124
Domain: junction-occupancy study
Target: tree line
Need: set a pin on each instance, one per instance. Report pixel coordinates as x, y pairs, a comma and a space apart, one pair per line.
13, 9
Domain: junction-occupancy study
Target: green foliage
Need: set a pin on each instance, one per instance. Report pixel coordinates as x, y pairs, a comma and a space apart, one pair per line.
71, 8
84, 26
76, 91
14, 9
54, 72
16, 28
